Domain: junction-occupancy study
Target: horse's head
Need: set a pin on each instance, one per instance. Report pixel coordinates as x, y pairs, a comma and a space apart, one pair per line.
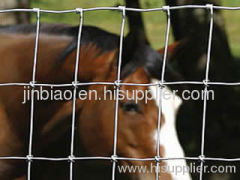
137, 119
137, 123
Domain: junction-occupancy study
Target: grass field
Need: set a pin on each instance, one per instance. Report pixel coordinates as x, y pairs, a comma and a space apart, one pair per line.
232, 25
155, 21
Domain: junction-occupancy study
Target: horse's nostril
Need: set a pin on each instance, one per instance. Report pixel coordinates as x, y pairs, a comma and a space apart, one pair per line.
130, 107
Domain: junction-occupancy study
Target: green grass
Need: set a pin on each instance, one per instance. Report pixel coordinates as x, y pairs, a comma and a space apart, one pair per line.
111, 20
232, 25
108, 20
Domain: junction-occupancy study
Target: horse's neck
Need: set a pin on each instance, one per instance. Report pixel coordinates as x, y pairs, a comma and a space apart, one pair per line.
93, 65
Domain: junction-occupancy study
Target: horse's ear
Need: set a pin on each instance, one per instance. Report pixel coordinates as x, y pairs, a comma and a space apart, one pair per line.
129, 48
60, 123
134, 54
131, 45
153, 66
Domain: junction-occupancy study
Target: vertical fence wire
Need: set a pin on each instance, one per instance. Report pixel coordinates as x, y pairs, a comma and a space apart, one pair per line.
160, 88
117, 85
202, 156
30, 155
71, 157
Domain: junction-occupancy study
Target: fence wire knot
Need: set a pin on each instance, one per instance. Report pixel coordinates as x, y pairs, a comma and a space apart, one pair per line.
75, 84
29, 158
161, 84
123, 9
80, 11
210, 7
205, 82
167, 9
71, 158
201, 158
32, 84
157, 159
117, 83
37, 10
114, 158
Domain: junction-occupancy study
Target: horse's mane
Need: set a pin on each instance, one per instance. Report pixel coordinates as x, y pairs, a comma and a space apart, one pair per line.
106, 40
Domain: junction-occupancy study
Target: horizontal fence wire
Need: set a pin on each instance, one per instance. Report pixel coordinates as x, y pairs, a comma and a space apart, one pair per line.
114, 158
121, 158
124, 84
119, 9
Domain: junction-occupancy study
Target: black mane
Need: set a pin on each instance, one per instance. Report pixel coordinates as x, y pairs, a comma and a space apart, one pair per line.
107, 41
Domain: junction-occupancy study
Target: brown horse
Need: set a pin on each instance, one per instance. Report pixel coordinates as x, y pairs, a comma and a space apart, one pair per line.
137, 121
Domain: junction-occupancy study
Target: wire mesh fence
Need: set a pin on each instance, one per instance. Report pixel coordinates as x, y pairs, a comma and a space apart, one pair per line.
117, 83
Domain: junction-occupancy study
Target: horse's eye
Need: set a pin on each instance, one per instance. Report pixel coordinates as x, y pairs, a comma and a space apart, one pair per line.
130, 107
